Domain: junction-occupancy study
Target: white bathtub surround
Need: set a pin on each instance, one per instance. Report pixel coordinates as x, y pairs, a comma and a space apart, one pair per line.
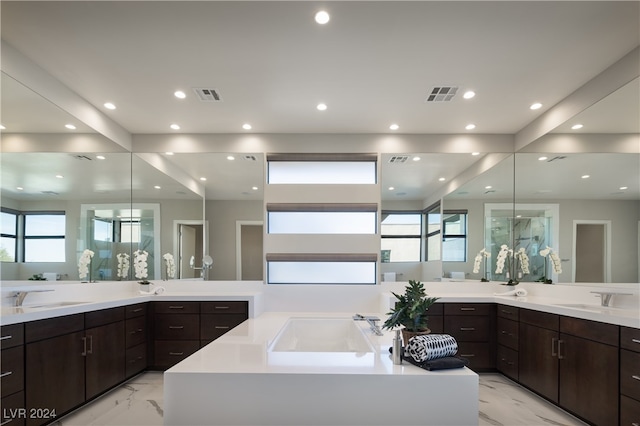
241, 380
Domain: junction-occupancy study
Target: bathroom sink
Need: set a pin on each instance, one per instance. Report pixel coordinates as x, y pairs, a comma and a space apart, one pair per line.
587, 307
51, 305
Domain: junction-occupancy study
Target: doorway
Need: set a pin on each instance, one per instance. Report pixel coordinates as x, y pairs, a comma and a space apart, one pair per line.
249, 249
188, 243
591, 251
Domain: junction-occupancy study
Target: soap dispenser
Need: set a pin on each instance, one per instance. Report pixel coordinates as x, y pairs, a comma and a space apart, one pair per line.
397, 348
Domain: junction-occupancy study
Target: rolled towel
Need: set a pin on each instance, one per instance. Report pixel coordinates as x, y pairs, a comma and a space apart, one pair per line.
441, 363
519, 292
431, 346
156, 291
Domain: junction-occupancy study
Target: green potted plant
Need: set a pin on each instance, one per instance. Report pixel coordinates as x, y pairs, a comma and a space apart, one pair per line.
410, 311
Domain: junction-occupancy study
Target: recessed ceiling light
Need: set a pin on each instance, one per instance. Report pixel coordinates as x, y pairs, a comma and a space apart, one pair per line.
622, 188
475, 153
157, 187
109, 105
577, 126
255, 188
536, 105
542, 158
470, 126
19, 188
203, 179
416, 158
518, 215
168, 153
175, 127
488, 187
585, 176
469, 94
394, 127
391, 188
70, 126
441, 179
179, 94
60, 176
321, 107
230, 157
322, 17
101, 157
246, 126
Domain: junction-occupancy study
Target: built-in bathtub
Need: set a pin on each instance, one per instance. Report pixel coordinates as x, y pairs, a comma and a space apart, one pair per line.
321, 335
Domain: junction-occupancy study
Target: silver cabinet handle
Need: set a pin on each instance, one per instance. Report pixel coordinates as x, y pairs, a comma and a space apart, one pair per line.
6, 422
176, 327
176, 353
560, 342
553, 346
467, 328
84, 346
90, 351
137, 310
506, 312
635, 377
467, 309
468, 355
11, 337
176, 307
221, 307
635, 340
6, 373
222, 327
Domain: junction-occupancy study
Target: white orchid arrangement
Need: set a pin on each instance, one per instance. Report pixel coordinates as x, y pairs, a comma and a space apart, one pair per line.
140, 265
170, 265
521, 256
482, 254
123, 265
555, 262
504, 253
83, 264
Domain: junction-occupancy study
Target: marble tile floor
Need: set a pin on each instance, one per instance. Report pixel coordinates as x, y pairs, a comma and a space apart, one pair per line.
139, 403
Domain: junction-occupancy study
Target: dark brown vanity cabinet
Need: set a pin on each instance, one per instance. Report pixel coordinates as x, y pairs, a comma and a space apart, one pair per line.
508, 337
572, 362
12, 374
136, 338
176, 332
72, 359
216, 318
629, 376
473, 327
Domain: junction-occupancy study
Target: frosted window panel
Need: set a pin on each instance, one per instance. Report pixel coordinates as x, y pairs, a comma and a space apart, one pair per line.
454, 249
322, 172
44, 250
402, 249
322, 222
322, 272
44, 224
8, 222
7, 249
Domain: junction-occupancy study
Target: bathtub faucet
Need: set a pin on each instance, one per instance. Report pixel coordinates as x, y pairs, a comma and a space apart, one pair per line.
373, 323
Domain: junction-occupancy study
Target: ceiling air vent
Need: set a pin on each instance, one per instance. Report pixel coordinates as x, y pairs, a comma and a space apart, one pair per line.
398, 159
81, 157
442, 94
207, 95
250, 157
558, 157
50, 193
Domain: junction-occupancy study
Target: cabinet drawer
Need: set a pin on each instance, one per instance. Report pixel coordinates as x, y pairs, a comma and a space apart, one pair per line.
213, 326
135, 331
468, 308
540, 319
11, 335
608, 334
436, 309
508, 312
177, 327
480, 355
12, 370
436, 324
137, 310
468, 328
176, 307
136, 359
507, 362
103, 317
10, 409
53, 327
630, 338
629, 411
170, 352
630, 373
226, 307
508, 333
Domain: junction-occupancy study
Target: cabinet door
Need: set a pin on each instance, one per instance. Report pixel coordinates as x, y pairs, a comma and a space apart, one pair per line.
105, 357
55, 374
538, 360
589, 379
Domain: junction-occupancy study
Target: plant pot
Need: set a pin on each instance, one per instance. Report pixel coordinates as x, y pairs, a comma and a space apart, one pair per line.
407, 335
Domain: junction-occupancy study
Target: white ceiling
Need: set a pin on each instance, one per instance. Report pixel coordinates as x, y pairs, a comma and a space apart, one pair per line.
373, 64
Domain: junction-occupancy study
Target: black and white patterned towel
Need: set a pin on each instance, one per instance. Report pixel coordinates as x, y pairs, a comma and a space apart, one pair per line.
431, 346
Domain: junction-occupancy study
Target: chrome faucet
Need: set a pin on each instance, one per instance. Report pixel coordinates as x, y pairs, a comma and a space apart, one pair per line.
605, 296
373, 323
21, 295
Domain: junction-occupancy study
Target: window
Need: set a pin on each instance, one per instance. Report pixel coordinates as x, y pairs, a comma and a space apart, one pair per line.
432, 232
454, 236
400, 236
333, 268
325, 218
9, 238
321, 169
44, 237
130, 232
